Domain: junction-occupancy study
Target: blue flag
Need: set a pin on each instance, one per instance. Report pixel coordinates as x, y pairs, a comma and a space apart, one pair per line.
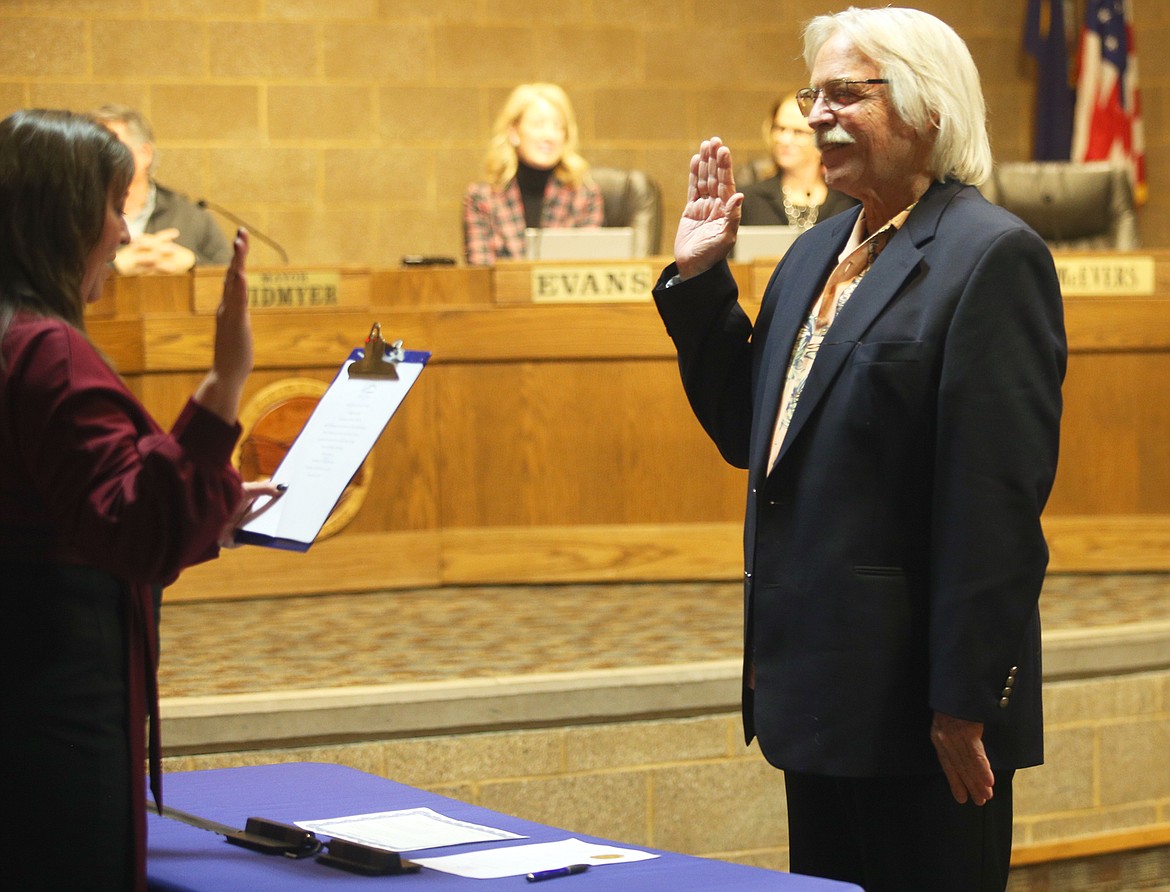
1045, 40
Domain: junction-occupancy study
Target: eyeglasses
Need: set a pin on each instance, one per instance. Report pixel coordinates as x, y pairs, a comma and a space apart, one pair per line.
837, 94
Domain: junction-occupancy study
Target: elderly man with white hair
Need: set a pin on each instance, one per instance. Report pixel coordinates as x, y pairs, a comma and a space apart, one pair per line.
897, 405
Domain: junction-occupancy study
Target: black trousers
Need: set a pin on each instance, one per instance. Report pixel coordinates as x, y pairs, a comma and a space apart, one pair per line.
65, 749
899, 834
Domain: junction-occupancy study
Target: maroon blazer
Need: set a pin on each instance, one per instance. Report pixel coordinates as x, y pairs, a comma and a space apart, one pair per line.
96, 494
493, 219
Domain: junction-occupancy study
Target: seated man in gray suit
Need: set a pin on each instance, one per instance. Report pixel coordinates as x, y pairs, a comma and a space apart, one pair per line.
168, 234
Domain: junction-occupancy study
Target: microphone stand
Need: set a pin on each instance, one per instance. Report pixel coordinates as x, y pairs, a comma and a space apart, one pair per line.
252, 230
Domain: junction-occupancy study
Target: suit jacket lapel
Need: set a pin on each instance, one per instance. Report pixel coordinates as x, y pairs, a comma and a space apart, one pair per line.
881, 284
806, 266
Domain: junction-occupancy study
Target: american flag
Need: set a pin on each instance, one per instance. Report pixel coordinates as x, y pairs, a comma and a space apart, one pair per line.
1108, 120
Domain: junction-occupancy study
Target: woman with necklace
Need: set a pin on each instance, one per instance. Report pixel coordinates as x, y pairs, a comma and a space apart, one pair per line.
796, 195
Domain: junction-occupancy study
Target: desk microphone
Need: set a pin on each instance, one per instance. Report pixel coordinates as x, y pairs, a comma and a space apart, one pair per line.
252, 230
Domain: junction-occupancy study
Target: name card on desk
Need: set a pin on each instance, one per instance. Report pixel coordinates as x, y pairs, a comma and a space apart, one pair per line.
1106, 275
293, 290
575, 283
288, 289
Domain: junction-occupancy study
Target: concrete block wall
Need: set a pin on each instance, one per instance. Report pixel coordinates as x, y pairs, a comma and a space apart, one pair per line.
690, 785
348, 129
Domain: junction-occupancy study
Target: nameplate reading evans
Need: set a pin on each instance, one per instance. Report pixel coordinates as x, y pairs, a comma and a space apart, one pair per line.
1110, 275
597, 282
295, 290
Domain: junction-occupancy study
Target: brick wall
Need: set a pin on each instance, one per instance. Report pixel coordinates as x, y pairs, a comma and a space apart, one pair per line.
348, 129
690, 785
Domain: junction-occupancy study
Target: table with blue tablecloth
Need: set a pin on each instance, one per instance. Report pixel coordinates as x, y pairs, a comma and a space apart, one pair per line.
182, 858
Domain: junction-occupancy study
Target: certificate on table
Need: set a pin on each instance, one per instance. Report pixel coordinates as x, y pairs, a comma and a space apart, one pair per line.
330, 448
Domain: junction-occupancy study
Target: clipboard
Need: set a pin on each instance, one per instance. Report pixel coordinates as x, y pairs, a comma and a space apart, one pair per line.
369, 387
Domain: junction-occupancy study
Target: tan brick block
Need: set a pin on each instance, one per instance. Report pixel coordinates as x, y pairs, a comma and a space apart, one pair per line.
310, 113
434, 114
152, 48
640, 114
86, 97
376, 52
212, 112
1086, 700
320, 9
587, 56
645, 743
207, 9
614, 806
485, 54
1088, 823
325, 237
768, 859
678, 59
12, 98
43, 48
269, 50
539, 11
453, 11
183, 170
432, 229
1134, 764
474, 757
376, 175
738, 120
73, 7
1066, 779
455, 168
723, 806
265, 175
646, 12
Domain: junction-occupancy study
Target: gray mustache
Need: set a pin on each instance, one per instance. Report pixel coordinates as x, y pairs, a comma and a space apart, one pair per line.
834, 136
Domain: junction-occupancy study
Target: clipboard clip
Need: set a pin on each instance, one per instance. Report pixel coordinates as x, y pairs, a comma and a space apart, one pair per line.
379, 360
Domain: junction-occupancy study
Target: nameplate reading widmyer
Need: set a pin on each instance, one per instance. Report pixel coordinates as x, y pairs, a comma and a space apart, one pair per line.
559, 283
1111, 275
294, 290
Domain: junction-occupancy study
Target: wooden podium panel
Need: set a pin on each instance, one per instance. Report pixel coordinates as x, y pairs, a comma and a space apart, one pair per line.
553, 442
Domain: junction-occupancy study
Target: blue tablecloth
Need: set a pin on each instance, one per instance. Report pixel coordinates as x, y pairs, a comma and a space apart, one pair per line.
185, 858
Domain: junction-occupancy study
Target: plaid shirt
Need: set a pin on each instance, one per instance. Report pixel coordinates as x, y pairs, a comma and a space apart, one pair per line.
493, 221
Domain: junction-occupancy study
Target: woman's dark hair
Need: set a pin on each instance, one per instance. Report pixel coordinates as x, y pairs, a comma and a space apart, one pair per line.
57, 173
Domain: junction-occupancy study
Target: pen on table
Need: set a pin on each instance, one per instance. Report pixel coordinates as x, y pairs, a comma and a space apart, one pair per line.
557, 872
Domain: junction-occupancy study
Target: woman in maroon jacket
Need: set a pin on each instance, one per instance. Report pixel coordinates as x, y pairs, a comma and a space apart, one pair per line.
99, 508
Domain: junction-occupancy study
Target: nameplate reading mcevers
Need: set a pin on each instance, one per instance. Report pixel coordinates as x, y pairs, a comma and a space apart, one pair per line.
1113, 275
596, 282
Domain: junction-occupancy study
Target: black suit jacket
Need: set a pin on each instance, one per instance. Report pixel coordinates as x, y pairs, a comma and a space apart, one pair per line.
894, 555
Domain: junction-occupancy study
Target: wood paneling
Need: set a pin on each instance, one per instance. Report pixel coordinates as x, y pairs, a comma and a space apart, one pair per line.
553, 442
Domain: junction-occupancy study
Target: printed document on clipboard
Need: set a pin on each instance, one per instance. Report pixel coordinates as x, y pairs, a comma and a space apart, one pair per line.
343, 428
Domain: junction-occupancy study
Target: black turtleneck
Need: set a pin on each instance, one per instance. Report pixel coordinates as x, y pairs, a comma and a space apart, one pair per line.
532, 184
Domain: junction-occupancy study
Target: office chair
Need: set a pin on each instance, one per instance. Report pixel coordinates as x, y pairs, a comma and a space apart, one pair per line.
631, 198
1073, 206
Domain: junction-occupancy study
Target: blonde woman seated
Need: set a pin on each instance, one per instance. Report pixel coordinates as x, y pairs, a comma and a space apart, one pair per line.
535, 178
796, 195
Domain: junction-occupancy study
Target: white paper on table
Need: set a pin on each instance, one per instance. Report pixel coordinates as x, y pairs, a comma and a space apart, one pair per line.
406, 830
343, 428
510, 861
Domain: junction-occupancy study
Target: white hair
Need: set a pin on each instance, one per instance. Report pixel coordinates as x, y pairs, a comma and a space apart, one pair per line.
934, 84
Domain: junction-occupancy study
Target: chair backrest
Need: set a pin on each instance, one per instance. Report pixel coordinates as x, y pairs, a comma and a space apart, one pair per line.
1071, 205
632, 199
754, 171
